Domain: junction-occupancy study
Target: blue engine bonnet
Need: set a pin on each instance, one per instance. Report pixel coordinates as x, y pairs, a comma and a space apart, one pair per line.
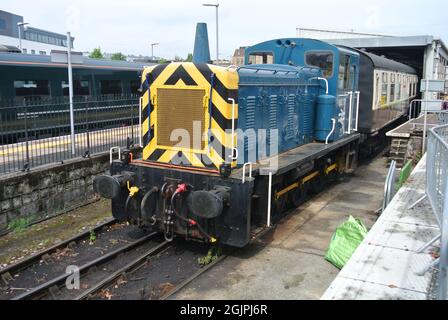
277, 97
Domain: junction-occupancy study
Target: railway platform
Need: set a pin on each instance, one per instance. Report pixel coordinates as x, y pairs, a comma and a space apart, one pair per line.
389, 263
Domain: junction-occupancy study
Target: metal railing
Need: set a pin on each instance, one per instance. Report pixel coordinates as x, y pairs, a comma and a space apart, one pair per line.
389, 185
437, 193
35, 133
418, 106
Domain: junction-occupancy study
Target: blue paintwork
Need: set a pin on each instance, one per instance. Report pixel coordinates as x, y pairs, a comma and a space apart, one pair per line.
291, 51
201, 53
276, 97
325, 112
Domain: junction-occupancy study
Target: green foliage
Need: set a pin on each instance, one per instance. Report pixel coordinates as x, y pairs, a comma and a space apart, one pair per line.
418, 157
19, 225
92, 237
162, 60
189, 58
178, 59
96, 54
404, 174
118, 56
211, 256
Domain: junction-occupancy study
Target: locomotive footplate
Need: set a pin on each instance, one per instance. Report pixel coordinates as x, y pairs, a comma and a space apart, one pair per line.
179, 202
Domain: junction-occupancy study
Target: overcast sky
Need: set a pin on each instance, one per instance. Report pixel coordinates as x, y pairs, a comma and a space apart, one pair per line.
129, 26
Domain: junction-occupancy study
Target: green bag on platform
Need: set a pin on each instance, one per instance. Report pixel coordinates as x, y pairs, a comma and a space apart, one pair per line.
345, 240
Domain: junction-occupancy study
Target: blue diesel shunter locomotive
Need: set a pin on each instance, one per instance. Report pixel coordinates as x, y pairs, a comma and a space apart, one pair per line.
269, 134
227, 150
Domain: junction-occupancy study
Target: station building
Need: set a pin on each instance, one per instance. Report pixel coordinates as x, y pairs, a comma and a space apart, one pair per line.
34, 40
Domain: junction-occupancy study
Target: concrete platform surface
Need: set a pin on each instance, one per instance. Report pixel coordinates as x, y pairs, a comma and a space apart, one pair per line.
386, 264
288, 263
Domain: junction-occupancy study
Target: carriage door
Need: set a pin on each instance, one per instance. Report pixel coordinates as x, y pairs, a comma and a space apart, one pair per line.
348, 96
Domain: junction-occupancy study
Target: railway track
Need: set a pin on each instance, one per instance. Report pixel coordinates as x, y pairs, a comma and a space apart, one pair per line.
166, 267
158, 273
6, 272
52, 286
39, 274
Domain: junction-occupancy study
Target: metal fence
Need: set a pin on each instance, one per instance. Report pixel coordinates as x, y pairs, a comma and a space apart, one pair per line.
437, 194
36, 132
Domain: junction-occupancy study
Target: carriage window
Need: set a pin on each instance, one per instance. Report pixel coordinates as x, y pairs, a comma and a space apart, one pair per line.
392, 88
135, 86
322, 60
32, 88
384, 88
399, 87
111, 87
80, 88
261, 58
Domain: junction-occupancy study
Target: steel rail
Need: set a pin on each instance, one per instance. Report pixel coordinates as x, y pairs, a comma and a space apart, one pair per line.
22, 264
139, 261
201, 271
39, 291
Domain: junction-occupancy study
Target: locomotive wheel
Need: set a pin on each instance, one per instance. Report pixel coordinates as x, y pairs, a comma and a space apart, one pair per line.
296, 197
317, 184
280, 205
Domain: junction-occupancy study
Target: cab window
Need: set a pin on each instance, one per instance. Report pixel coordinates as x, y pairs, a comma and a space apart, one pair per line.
322, 60
344, 78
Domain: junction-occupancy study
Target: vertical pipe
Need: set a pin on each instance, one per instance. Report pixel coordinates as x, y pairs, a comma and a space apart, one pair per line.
20, 39
26, 167
70, 88
268, 223
217, 35
88, 128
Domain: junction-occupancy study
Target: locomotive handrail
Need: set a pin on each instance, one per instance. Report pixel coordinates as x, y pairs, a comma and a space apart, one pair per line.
243, 180
234, 155
140, 102
322, 79
358, 94
274, 71
277, 71
111, 151
332, 130
350, 112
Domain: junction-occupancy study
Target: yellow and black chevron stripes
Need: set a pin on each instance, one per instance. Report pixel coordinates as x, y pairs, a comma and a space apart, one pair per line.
219, 84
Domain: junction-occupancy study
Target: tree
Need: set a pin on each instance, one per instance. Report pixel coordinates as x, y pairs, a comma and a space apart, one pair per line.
178, 59
118, 56
189, 58
96, 54
162, 60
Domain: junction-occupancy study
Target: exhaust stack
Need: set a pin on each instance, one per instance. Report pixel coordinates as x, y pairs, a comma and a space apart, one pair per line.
201, 53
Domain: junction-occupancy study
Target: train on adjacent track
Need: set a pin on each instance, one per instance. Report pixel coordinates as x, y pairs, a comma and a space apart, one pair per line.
37, 86
226, 150
38, 78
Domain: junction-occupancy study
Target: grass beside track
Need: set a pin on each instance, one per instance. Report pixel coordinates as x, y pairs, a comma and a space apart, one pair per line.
17, 245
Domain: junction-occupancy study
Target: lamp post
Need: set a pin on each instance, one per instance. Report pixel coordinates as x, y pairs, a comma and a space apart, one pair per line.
21, 25
217, 28
152, 49
70, 90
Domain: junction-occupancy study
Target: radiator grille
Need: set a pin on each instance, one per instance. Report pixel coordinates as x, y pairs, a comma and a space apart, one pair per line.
178, 109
